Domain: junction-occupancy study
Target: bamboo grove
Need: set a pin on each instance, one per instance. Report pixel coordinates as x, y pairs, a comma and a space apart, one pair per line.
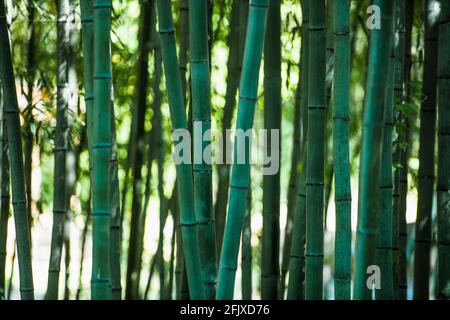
235, 149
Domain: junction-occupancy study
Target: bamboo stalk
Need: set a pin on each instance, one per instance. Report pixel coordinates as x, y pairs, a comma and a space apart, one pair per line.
116, 219
201, 107
270, 268
296, 156
12, 122
240, 172
29, 137
443, 177
60, 196
342, 197
373, 120
316, 151
427, 138
5, 199
246, 248
237, 32
138, 130
184, 170
101, 149
399, 206
385, 250
297, 254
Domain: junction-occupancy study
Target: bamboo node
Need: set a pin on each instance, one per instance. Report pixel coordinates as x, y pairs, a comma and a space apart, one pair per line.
102, 6
188, 224
11, 111
103, 77
17, 202
99, 281
259, 5
101, 146
248, 99
314, 184
320, 107
200, 61
100, 213
222, 266
343, 118
367, 232
167, 32
314, 255
238, 187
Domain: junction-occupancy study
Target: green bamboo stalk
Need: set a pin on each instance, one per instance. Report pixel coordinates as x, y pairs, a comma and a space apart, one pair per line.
183, 52
296, 155
427, 138
201, 107
135, 245
12, 122
101, 149
240, 172
116, 219
404, 163
184, 43
87, 25
184, 170
373, 120
270, 268
297, 254
316, 151
443, 177
60, 199
4, 199
384, 250
342, 194
237, 32
399, 226
246, 248
163, 202
29, 119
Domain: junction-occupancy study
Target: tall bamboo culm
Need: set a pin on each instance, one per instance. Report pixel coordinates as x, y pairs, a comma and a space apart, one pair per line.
240, 172
399, 156
343, 242
246, 248
60, 197
236, 42
135, 246
443, 177
385, 250
184, 170
101, 152
12, 123
201, 101
270, 267
373, 121
5, 199
116, 225
297, 254
316, 151
427, 140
